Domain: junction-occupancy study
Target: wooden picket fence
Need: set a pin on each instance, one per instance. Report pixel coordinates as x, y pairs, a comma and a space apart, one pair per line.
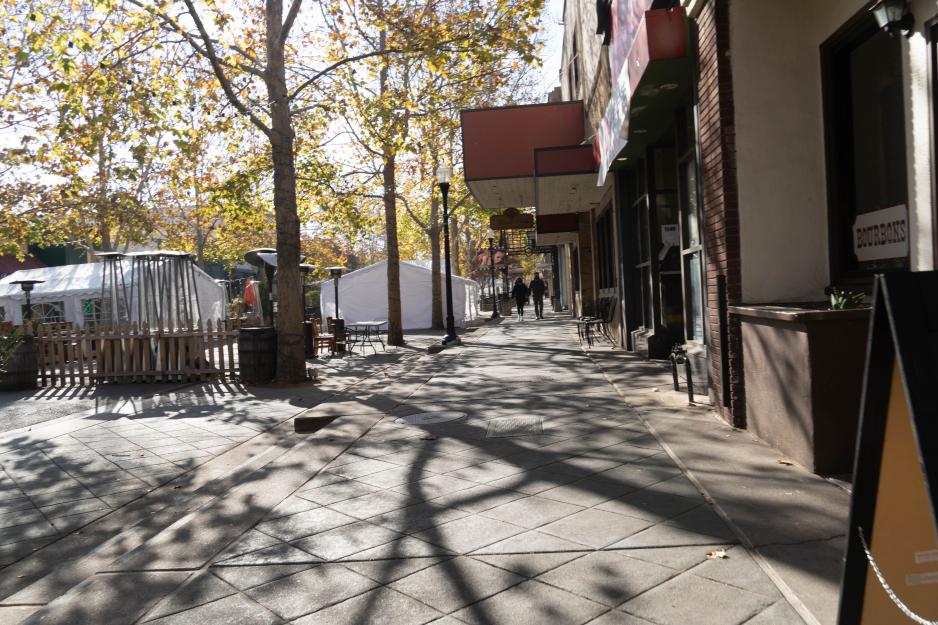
126, 352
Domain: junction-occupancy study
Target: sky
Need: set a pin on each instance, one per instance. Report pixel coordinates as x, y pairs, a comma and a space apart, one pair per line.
552, 20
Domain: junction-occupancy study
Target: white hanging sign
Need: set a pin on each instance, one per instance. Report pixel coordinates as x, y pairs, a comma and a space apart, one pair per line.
882, 234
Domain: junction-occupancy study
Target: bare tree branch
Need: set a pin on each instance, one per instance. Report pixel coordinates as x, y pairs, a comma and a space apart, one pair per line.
290, 19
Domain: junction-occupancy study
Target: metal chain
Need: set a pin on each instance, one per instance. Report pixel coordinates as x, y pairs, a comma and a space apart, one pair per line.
889, 591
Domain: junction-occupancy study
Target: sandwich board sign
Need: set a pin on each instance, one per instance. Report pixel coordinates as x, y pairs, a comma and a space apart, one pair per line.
891, 566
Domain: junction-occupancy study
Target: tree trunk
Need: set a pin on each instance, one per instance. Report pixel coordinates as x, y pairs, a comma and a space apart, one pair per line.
395, 325
436, 288
291, 360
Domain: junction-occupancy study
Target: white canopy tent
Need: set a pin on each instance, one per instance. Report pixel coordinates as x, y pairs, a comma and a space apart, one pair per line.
363, 296
73, 293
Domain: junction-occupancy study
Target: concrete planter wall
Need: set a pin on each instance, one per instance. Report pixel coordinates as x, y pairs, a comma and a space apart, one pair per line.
803, 375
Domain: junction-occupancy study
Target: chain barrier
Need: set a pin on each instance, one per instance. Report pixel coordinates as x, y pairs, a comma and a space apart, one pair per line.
889, 591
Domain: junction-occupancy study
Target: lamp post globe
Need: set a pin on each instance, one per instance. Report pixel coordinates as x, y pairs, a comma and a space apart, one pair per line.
490, 235
443, 176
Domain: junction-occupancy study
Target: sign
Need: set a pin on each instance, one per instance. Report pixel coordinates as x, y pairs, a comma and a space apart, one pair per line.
512, 219
891, 568
882, 234
614, 127
670, 237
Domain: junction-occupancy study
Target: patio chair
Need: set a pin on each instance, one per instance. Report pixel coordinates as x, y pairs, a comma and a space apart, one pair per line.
587, 324
321, 339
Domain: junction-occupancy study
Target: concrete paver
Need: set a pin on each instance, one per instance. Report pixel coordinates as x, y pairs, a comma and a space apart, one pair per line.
377, 520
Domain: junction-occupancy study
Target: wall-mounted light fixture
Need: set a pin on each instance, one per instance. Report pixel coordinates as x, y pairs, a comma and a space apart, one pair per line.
893, 16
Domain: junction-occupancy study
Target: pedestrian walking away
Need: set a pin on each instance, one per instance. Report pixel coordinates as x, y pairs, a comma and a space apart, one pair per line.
538, 289
520, 292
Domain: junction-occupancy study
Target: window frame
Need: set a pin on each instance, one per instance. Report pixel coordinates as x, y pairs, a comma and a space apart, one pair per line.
854, 32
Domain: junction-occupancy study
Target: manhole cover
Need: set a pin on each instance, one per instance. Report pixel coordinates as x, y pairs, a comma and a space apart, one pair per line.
514, 426
430, 418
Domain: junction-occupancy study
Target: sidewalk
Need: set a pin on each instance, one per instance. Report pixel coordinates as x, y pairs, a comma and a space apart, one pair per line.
514, 480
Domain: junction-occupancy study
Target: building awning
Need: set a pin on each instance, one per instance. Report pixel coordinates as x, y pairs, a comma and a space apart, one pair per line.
499, 146
565, 179
649, 87
557, 228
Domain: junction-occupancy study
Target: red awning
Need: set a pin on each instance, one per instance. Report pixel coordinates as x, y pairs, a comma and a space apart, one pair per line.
499, 149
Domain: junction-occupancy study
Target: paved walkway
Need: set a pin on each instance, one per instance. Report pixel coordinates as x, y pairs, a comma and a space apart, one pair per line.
514, 480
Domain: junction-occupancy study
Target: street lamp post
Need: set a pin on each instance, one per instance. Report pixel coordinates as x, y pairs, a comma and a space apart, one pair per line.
443, 176
490, 235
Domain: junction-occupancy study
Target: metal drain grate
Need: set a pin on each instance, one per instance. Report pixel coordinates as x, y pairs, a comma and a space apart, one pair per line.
431, 418
514, 426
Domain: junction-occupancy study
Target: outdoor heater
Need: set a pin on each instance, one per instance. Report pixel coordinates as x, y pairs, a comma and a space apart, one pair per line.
490, 235
443, 176
27, 286
338, 324
336, 273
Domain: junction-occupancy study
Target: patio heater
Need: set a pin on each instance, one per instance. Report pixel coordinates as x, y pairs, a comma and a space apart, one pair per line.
27, 286
338, 324
490, 235
443, 176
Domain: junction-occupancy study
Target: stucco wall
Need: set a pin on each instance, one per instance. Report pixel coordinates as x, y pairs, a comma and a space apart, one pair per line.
775, 48
918, 138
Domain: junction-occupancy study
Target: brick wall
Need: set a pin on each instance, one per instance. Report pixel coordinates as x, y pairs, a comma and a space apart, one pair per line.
720, 202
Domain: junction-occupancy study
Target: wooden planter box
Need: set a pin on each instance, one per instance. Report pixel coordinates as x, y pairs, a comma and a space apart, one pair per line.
803, 376
23, 369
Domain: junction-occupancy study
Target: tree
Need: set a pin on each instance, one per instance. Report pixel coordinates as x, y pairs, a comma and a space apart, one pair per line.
488, 40
268, 82
88, 111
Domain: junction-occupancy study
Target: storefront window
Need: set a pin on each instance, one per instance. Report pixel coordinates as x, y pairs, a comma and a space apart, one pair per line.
605, 251
47, 312
866, 151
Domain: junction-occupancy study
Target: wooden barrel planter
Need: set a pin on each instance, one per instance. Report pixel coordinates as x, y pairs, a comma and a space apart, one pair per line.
257, 355
23, 369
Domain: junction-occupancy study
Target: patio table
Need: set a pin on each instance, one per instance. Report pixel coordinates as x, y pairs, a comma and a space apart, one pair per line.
367, 333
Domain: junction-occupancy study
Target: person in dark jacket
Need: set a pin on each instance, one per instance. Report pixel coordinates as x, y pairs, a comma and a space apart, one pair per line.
538, 289
520, 292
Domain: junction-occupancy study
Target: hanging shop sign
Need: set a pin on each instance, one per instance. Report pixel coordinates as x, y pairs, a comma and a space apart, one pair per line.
512, 219
882, 234
891, 568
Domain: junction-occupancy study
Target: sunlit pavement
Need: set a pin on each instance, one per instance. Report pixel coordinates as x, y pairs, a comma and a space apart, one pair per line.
515, 479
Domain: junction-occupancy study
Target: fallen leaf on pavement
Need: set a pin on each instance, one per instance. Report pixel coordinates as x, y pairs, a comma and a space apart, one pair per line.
718, 553
787, 463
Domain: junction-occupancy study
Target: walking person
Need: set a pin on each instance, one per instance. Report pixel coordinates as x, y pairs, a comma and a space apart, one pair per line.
520, 292
538, 289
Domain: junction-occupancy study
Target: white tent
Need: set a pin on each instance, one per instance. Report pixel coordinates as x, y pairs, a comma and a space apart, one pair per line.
72, 292
363, 296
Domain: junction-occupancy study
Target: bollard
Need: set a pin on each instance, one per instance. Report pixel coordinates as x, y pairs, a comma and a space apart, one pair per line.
679, 356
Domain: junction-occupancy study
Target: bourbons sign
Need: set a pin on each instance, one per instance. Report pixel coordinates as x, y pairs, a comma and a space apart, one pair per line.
882, 234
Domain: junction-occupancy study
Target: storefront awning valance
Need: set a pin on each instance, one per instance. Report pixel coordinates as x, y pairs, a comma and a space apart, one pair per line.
648, 88
556, 229
499, 146
565, 179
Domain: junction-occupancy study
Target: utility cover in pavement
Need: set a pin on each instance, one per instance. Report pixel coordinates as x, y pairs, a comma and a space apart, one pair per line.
514, 426
431, 418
